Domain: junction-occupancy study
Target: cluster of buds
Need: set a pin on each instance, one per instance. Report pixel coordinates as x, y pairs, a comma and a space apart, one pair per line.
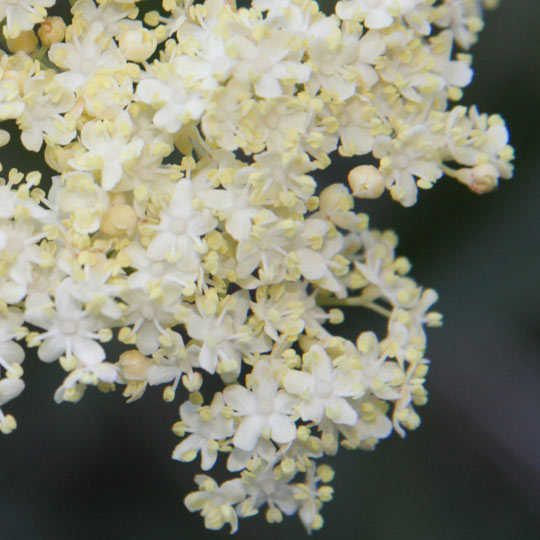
185, 222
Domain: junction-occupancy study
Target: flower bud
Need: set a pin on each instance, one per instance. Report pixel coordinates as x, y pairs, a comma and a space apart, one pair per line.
366, 182
119, 219
134, 365
480, 179
192, 381
137, 45
52, 30
25, 42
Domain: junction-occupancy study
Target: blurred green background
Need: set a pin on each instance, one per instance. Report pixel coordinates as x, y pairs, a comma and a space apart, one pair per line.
102, 469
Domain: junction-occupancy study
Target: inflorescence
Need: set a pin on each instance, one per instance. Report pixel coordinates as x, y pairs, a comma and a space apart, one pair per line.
185, 222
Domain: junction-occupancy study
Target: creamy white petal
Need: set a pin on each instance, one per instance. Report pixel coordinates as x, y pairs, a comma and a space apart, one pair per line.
239, 399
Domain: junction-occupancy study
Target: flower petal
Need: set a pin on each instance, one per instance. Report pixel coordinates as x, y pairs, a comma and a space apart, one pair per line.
248, 433
239, 399
283, 429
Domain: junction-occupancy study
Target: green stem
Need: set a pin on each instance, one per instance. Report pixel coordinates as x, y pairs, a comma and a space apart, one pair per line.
353, 302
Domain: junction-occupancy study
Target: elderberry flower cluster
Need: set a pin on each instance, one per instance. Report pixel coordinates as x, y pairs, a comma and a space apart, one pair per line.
185, 222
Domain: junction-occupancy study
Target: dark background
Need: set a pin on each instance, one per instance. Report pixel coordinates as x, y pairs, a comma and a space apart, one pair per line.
102, 470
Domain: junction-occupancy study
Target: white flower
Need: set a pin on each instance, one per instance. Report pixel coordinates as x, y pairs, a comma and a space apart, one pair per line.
174, 360
373, 424
19, 256
11, 103
84, 56
46, 100
107, 94
22, 15
336, 206
223, 121
262, 487
409, 156
463, 17
149, 272
239, 459
356, 120
109, 145
264, 410
73, 386
12, 198
281, 308
374, 13
93, 288
150, 310
276, 174
68, 328
176, 102
234, 203
207, 425
216, 502
337, 69
11, 353
178, 235
272, 65
323, 388
223, 335
113, 16
78, 197
474, 139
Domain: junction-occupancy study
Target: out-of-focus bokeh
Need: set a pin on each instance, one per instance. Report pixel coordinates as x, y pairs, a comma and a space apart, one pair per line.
102, 470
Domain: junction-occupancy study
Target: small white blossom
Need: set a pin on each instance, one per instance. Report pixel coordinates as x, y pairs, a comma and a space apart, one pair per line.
22, 15
45, 101
178, 235
323, 389
216, 502
68, 328
85, 55
108, 145
264, 410
206, 426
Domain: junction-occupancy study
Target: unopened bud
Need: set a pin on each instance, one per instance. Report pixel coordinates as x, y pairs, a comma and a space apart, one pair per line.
480, 179
52, 30
137, 45
25, 42
192, 381
134, 365
119, 219
366, 182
